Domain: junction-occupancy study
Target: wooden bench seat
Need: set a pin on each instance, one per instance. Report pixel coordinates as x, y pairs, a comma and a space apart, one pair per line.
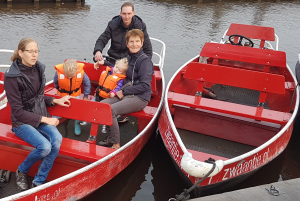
243, 78
94, 75
69, 147
229, 108
147, 113
244, 54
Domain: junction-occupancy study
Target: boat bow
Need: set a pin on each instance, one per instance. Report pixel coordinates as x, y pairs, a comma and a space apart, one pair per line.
197, 168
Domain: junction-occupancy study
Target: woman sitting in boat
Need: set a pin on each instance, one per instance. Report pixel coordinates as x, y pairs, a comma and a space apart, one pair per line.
136, 92
24, 83
68, 79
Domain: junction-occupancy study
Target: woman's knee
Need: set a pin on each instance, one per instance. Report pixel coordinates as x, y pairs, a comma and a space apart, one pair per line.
44, 149
57, 141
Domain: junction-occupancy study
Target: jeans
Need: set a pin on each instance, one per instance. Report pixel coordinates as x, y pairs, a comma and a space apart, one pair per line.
47, 140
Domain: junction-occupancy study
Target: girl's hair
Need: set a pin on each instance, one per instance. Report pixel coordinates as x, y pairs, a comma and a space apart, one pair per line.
135, 32
70, 68
125, 62
21, 46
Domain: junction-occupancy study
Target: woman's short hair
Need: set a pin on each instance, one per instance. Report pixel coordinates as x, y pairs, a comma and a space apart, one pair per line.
70, 68
135, 32
22, 47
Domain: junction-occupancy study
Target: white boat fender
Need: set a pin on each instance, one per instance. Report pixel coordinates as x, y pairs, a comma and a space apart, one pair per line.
197, 168
185, 195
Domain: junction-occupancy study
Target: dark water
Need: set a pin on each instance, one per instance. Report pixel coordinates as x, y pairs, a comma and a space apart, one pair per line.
70, 30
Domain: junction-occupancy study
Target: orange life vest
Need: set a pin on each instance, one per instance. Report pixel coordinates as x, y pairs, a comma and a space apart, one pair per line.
69, 86
108, 82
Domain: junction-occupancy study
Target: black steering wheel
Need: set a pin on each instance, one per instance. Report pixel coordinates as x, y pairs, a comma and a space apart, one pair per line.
240, 40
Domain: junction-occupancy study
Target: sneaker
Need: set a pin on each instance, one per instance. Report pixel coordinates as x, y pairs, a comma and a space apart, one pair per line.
34, 185
121, 119
104, 130
83, 123
106, 142
21, 179
77, 130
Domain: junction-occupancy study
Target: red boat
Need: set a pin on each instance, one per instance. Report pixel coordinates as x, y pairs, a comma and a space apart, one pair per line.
82, 166
234, 103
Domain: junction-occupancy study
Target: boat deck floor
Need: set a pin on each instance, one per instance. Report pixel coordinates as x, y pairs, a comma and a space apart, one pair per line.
212, 145
128, 131
237, 95
217, 146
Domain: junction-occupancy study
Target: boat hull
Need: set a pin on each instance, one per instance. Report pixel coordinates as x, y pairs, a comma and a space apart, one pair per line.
234, 104
88, 179
232, 173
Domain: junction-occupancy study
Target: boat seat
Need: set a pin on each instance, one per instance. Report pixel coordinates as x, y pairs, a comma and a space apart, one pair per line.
264, 57
94, 75
69, 147
147, 113
260, 81
244, 54
228, 108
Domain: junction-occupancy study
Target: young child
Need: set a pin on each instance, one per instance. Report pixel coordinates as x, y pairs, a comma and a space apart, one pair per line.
111, 80
68, 79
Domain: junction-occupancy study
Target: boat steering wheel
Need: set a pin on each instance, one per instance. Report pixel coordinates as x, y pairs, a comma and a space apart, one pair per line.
240, 40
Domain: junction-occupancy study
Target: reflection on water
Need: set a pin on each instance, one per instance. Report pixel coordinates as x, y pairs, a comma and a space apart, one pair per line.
70, 30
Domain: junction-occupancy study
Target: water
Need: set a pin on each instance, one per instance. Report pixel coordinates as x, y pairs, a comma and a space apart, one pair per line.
69, 30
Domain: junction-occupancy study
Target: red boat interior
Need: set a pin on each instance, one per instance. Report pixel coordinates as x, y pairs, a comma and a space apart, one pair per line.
236, 100
76, 151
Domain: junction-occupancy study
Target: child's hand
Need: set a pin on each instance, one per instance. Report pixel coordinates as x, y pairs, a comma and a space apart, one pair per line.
98, 63
112, 95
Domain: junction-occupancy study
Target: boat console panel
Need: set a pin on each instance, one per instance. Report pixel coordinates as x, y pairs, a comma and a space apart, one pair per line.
252, 31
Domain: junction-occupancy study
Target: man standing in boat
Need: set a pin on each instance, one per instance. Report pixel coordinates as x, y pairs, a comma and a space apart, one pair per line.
116, 31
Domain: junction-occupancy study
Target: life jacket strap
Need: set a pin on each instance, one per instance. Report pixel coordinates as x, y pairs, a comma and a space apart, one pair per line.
99, 98
68, 92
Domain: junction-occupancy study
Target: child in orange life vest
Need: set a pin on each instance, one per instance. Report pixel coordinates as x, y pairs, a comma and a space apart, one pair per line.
67, 80
111, 80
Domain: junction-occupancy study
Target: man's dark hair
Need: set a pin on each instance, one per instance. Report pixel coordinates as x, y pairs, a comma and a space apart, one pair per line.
127, 4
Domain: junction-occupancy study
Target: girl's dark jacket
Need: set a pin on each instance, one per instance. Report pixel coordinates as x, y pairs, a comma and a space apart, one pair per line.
116, 31
24, 88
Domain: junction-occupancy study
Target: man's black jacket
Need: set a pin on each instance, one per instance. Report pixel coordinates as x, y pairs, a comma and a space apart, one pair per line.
116, 31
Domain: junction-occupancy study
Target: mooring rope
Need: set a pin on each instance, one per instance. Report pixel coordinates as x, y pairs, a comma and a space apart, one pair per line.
273, 191
185, 195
